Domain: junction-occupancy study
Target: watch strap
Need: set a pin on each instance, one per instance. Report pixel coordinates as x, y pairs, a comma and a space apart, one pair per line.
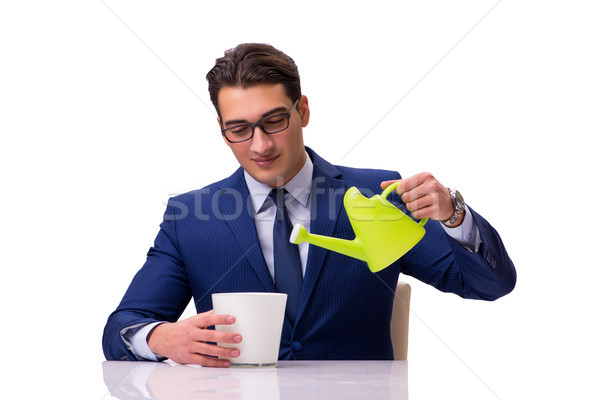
459, 208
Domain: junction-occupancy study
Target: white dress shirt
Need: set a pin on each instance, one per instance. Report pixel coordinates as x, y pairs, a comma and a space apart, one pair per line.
298, 202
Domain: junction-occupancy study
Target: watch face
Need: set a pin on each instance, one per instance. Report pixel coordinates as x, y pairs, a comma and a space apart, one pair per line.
459, 199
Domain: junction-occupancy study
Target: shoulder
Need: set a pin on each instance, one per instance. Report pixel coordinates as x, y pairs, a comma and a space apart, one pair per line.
367, 173
214, 188
351, 174
204, 201
367, 181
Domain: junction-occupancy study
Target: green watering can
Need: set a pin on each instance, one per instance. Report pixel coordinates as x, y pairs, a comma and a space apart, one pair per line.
383, 232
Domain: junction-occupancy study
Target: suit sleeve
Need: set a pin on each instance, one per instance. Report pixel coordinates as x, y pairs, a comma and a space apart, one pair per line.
159, 291
442, 262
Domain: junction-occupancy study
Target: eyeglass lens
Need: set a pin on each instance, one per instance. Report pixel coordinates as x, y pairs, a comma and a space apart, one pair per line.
272, 124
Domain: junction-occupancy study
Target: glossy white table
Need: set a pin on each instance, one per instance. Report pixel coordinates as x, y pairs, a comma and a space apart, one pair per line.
289, 380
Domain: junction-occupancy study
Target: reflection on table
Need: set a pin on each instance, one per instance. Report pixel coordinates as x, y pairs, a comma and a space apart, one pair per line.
290, 380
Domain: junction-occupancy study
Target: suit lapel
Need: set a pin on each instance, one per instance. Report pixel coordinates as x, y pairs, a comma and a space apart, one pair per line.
327, 198
327, 194
233, 203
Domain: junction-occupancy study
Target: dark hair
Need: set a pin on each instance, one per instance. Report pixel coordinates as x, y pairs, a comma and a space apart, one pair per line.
251, 64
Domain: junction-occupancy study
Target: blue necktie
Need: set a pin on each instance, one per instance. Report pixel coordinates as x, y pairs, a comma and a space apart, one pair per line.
288, 269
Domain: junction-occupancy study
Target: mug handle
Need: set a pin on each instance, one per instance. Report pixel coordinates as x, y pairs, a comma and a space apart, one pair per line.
387, 192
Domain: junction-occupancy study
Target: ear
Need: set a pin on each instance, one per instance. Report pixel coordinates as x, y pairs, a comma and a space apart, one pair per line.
304, 110
223, 136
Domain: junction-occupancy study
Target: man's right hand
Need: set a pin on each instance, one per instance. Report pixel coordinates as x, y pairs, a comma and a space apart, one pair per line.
185, 341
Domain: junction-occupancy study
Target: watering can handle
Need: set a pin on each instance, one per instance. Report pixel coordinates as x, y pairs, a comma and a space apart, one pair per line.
389, 190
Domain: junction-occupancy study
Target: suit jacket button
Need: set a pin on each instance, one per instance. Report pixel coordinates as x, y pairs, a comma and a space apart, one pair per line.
296, 346
491, 261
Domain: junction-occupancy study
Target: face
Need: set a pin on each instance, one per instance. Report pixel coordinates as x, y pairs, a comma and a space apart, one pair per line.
271, 159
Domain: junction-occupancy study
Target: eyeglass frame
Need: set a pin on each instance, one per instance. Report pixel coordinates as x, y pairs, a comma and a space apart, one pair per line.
253, 126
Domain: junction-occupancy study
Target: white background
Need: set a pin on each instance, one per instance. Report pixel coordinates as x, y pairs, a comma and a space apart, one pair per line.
104, 113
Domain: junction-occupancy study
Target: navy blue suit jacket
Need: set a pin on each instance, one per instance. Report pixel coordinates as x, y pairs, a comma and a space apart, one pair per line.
208, 243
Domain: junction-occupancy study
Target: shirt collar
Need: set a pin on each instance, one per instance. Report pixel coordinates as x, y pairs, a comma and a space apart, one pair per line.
299, 186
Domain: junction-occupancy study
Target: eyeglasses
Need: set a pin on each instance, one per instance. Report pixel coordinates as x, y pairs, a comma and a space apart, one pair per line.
269, 125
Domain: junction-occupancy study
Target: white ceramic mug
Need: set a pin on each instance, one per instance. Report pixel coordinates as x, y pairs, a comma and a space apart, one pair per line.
259, 319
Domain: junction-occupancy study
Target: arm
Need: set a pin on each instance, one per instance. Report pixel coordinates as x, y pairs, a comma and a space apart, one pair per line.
135, 338
467, 233
486, 273
160, 291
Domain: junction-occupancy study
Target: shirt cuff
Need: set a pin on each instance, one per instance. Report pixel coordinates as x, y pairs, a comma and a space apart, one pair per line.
135, 338
467, 233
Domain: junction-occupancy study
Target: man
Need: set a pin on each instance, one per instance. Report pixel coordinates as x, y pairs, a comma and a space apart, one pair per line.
222, 238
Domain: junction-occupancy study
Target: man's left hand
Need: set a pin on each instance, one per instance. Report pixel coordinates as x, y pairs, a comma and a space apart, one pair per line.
425, 197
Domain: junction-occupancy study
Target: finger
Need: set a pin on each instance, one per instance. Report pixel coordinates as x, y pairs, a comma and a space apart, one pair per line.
209, 318
414, 181
209, 335
419, 203
201, 354
385, 184
215, 362
215, 350
205, 361
399, 189
419, 186
425, 212
422, 208
408, 185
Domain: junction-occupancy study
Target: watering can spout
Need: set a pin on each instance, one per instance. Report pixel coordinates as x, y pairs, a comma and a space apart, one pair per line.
349, 248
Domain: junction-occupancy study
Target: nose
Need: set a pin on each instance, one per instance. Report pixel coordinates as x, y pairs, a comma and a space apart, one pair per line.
261, 143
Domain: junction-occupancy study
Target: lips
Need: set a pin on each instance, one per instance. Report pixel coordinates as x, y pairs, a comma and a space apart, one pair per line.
265, 161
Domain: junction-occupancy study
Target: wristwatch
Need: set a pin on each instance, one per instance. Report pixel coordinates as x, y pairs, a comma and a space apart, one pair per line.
459, 207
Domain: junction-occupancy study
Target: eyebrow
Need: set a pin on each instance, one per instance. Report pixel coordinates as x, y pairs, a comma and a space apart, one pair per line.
264, 115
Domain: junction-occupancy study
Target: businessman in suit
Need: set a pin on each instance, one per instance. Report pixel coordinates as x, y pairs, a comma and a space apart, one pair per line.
223, 238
